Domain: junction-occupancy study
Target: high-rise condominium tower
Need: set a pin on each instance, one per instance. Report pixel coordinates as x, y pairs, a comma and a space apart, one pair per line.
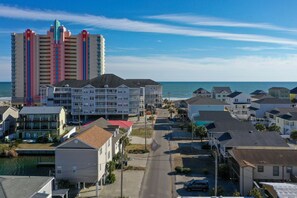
47, 59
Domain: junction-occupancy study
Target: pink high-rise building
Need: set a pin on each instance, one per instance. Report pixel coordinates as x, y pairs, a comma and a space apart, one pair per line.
47, 59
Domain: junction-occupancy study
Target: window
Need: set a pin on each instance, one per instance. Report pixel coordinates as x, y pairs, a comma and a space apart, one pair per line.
59, 171
289, 169
275, 171
108, 154
260, 169
100, 151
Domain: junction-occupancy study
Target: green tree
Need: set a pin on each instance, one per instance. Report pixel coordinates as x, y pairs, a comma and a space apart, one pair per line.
274, 128
260, 127
293, 135
200, 131
255, 192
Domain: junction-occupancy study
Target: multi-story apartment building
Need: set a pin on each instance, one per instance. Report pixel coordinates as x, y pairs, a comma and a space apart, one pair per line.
56, 56
105, 96
153, 91
34, 122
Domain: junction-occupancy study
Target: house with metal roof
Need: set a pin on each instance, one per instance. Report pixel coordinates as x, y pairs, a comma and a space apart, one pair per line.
287, 123
262, 164
37, 121
8, 118
220, 93
83, 158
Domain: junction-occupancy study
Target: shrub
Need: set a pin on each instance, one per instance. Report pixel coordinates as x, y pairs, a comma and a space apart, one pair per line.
111, 178
186, 170
178, 169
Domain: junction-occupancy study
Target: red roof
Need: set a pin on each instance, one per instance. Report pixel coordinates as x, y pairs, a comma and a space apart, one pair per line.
121, 123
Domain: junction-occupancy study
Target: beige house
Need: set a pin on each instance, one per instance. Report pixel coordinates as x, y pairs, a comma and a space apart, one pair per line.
249, 164
8, 117
36, 121
83, 158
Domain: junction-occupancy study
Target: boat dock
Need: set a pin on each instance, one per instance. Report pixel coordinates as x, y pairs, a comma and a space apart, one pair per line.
35, 151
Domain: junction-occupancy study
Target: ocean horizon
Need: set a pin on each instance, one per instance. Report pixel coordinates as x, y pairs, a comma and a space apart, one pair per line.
183, 90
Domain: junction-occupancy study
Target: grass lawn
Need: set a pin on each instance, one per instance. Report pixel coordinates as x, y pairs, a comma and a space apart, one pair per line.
137, 148
141, 132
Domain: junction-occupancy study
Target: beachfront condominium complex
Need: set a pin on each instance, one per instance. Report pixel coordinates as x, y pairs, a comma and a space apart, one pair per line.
38, 60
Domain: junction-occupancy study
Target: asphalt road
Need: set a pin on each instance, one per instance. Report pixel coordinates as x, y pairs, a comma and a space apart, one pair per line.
157, 182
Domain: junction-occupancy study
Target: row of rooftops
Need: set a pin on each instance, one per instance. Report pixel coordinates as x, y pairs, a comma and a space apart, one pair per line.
228, 90
106, 81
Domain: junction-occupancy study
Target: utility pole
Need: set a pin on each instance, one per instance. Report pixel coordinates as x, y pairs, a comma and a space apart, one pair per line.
144, 129
216, 173
122, 168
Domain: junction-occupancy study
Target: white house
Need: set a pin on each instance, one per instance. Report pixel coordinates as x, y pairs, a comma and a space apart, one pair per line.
220, 93
262, 164
196, 104
287, 123
259, 107
83, 158
274, 113
238, 104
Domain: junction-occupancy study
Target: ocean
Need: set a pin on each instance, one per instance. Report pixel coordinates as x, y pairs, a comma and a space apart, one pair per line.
182, 90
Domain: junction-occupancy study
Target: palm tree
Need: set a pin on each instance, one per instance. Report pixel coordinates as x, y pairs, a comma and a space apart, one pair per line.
171, 111
200, 131
274, 128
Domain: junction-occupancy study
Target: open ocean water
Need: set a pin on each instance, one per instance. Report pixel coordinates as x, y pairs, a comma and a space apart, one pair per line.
181, 90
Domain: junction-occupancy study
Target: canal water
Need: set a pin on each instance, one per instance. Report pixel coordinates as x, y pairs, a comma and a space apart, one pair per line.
25, 165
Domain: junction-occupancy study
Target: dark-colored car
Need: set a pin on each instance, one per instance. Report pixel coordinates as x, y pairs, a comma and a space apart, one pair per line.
194, 184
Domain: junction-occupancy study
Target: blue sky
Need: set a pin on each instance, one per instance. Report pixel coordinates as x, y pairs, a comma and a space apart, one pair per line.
172, 40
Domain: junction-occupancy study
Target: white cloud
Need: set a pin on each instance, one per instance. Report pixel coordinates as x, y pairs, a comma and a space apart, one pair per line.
261, 48
213, 21
5, 68
134, 26
241, 68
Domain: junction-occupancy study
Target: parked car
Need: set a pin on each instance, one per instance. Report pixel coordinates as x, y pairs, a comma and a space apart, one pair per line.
201, 185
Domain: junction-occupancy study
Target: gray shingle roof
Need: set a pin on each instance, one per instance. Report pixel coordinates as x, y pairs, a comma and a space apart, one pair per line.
204, 101
221, 89
109, 80
142, 82
289, 116
254, 138
258, 92
41, 110
293, 91
283, 156
3, 109
21, 186
273, 101
234, 94
201, 90
222, 121
281, 111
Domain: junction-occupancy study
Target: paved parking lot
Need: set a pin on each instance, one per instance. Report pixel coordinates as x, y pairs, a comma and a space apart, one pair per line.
199, 160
